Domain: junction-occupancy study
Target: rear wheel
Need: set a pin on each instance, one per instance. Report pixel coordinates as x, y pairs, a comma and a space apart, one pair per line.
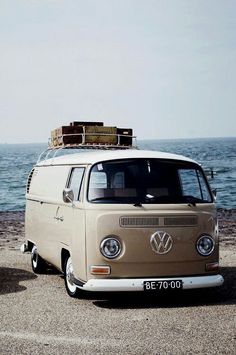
38, 264
71, 288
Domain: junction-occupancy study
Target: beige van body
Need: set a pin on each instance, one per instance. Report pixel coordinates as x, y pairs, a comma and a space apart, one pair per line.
106, 221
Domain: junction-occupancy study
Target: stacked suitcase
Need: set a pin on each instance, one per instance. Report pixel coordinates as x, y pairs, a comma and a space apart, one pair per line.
91, 133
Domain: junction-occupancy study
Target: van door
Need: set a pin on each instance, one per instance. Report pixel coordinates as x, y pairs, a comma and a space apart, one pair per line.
69, 223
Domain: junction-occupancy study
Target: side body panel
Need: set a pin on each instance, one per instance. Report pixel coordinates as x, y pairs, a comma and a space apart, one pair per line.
52, 224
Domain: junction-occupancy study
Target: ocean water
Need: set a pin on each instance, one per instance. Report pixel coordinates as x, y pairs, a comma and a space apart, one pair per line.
218, 154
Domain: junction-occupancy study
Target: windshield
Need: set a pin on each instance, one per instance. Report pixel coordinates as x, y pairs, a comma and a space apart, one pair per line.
147, 181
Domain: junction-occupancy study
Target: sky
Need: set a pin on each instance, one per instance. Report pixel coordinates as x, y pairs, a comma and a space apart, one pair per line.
166, 68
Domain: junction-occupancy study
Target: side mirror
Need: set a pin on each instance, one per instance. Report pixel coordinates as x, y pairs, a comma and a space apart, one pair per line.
214, 191
68, 195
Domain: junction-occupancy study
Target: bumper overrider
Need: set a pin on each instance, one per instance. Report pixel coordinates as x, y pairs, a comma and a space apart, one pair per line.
111, 285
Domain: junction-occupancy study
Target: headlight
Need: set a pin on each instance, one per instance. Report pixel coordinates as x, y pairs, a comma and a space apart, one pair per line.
205, 245
110, 247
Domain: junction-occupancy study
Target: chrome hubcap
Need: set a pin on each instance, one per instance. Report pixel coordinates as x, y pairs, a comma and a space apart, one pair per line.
34, 257
69, 274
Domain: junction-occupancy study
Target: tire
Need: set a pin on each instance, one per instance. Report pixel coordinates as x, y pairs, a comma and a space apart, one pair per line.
71, 288
39, 266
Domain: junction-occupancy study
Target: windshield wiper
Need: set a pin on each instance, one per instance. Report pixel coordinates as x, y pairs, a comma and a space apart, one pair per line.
107, 198
138, 204
191, 200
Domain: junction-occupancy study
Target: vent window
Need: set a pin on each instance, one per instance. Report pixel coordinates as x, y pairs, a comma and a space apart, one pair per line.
29, 181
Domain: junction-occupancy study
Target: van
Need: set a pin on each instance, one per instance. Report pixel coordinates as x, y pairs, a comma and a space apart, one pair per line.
123, 220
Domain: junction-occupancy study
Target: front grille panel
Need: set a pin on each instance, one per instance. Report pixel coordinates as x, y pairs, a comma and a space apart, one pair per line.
164, 221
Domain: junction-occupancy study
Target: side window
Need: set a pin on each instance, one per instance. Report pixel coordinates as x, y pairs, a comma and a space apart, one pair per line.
205, 191
190, 184
193, 184
75, 181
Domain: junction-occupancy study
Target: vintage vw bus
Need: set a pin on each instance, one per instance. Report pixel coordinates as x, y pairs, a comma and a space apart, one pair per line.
123, 220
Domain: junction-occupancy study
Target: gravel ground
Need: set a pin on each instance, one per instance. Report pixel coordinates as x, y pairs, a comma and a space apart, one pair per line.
37, 316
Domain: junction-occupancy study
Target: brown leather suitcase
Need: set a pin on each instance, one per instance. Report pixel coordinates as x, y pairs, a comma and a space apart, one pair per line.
100, 135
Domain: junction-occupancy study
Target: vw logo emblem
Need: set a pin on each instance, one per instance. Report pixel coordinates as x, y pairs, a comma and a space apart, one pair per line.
161, 242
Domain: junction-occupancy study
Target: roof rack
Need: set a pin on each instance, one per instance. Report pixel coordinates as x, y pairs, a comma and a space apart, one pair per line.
94, 140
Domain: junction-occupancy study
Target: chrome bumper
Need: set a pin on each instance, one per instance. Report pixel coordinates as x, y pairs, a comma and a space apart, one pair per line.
109, 285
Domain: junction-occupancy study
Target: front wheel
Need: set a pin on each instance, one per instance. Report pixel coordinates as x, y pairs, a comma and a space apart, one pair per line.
39, 266
71, 288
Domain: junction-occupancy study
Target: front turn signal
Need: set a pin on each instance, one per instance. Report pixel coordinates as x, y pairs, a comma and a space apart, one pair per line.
100, 270
212, 266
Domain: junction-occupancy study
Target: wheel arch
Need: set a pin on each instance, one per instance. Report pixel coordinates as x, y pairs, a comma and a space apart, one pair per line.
64, 255
30, 245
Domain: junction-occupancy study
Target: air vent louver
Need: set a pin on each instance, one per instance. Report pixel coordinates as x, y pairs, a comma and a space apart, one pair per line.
139, 222
29, 180
180, 221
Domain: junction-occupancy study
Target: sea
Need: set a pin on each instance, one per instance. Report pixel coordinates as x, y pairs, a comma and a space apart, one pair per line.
216, 155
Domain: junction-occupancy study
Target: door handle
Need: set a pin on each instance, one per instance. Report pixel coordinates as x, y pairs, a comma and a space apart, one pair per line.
59, 218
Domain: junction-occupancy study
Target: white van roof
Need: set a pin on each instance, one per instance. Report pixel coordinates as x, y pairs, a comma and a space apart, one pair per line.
92, 157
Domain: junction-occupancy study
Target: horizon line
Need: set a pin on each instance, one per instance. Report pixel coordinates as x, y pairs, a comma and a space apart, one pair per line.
138, 139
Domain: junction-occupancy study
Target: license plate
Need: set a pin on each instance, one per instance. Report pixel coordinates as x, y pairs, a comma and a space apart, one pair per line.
163, 285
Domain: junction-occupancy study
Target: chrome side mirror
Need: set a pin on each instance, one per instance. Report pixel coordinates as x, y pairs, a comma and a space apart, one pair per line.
68, 195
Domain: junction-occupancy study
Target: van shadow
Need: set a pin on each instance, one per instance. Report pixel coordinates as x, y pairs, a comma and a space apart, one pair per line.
10, 278
223, 295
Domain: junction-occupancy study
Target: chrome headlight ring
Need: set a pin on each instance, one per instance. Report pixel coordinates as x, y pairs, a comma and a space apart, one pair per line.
205, 245
110, 247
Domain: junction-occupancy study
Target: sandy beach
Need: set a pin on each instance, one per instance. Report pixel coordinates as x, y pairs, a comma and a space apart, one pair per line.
37, 316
